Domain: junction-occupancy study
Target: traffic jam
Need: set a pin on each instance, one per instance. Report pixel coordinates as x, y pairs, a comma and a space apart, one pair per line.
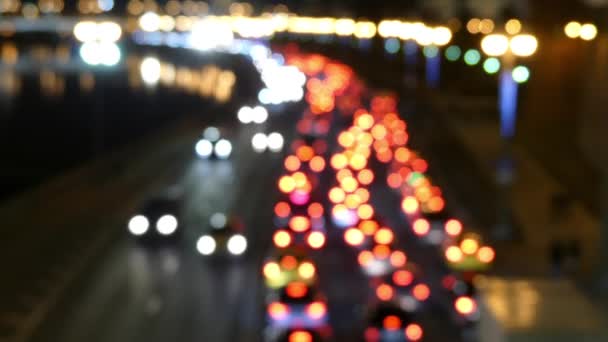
351, 141
350, 148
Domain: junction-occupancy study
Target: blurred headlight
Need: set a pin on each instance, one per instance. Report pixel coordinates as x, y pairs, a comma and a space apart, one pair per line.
275, 142
206, 245
138, 225
166, 225
223, 148
237, 244
204, 148
259, 142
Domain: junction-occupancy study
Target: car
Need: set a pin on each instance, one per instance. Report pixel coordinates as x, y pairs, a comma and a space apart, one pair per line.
297, 305
402, 287
158, 218
469, 254
368, 233
390, 323
379, 260
435, 228
225, 237
212, 145
289, 265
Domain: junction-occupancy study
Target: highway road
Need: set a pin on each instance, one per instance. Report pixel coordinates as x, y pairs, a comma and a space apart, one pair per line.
132, 292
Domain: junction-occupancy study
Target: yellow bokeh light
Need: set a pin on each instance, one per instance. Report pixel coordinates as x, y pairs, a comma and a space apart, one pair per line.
573, 29
513, 26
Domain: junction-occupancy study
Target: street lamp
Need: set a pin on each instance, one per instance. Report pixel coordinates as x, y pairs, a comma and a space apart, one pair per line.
508, 49
432, 40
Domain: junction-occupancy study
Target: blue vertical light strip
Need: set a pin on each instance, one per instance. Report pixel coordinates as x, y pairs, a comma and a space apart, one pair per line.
365, 44
410, 49
433, 71
507, 102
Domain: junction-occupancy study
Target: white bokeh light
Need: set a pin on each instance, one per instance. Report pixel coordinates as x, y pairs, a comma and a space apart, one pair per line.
237, 244
138, 225
204, 148
166, 225
223, 148
206, 245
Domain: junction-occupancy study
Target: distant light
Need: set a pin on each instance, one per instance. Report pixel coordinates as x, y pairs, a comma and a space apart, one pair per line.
211, 133
149, 22
166, 225
474, 26
85, 31
453, 53
521, 74
524, 45
218, 220
573, 29
108, 31
223, 149
588, 32
413, 332
441, 36
259, 142
472, 57
491, 65
138, 225
392, 45
206, 245
275, 142
430, 51
105, 5
237, 244
204, 148
486, 26
150, 70
495, 45
97, 53
513, 26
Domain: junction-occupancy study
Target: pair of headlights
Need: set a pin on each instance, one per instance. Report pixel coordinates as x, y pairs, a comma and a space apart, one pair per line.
237, 245
165, 225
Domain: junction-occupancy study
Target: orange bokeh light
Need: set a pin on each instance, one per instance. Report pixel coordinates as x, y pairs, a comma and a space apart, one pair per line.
385, 292
292, 163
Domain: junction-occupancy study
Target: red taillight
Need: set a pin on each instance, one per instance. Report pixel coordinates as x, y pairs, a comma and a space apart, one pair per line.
385, 292
465, 305
391, 322
296, 290
300, 336
398, 259
413, 332
403, 278
372, 334
421, 292
282, 209
316, 310
278, 310
289, 262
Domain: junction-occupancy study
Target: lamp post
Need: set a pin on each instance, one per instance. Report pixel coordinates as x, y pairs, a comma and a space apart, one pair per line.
508, 49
